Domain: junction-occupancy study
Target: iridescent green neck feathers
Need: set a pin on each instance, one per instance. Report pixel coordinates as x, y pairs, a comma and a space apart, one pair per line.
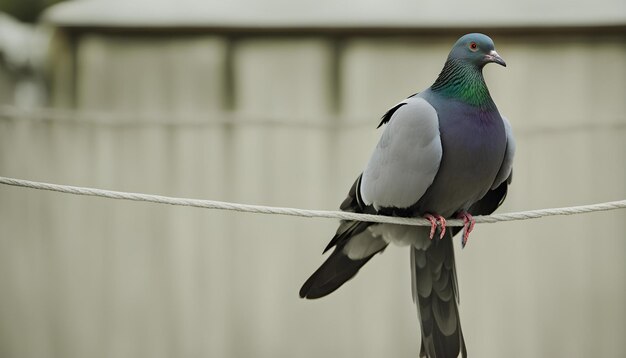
465, 82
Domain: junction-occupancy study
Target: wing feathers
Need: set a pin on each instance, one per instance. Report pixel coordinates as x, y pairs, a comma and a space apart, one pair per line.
401, 169
387, 116
506, 170
341, 265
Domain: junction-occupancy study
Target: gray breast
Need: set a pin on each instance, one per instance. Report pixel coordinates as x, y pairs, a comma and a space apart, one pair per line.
474, 143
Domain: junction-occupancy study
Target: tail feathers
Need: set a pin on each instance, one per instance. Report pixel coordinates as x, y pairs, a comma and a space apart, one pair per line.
333, 273
436, 295
439, 340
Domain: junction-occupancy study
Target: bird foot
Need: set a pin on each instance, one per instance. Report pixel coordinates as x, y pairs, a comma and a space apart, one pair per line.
436, 220
468, 225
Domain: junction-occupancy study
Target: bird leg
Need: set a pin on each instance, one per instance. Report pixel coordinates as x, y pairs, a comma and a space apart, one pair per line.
436, 220
468, 225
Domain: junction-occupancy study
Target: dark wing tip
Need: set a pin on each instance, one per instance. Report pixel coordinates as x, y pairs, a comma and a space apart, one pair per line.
333, 273
387, 116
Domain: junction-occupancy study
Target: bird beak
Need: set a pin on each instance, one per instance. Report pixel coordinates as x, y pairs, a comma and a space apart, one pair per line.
494, 57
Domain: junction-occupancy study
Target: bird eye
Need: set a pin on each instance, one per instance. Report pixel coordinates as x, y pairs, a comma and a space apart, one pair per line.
473, 46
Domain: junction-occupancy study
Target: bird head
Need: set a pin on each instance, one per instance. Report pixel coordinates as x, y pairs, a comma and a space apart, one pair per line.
476, 49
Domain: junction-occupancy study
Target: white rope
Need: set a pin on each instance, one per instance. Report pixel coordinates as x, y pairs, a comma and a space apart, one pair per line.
220, 205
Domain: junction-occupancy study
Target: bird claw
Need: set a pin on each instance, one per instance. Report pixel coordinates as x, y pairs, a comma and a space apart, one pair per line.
468, 225
436, 220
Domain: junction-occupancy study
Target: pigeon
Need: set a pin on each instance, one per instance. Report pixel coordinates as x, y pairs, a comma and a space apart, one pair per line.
445, 152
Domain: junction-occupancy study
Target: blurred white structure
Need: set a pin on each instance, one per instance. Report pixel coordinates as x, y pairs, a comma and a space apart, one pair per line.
23, 48
85, 277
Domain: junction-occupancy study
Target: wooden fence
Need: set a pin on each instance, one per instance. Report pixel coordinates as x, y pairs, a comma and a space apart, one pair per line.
290, 121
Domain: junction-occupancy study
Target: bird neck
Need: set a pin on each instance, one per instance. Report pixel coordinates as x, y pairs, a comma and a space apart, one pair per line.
464, 82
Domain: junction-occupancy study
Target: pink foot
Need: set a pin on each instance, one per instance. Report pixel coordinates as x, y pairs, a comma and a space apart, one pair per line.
436, 220
468, 225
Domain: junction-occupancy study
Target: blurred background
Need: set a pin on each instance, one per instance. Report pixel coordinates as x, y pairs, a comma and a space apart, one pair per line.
276, 102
